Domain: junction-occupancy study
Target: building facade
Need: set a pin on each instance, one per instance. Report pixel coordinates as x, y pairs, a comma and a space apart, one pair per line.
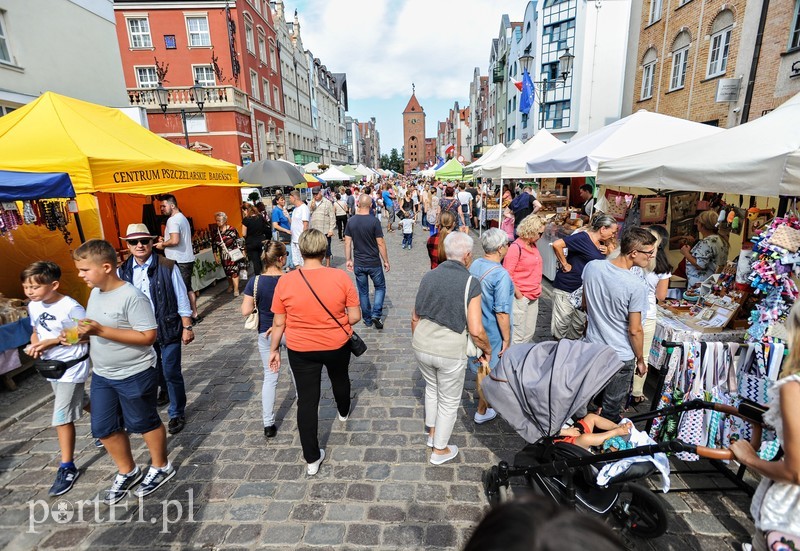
523, 46
29, 65
301, 140
328, 107
413, 135
228, 49
499, 68
478, 102
372, 143
430, 152
590, 96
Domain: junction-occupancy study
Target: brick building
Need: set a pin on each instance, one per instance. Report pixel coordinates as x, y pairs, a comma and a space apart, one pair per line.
430, 152
413, 135
228, 48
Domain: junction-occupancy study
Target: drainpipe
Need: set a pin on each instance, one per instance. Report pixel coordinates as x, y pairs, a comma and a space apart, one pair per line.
748, 95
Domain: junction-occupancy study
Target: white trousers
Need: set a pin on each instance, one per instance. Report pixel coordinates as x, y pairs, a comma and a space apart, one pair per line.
526, 312
444, 382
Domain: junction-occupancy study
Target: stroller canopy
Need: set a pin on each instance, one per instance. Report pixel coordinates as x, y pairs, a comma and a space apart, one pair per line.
537, 387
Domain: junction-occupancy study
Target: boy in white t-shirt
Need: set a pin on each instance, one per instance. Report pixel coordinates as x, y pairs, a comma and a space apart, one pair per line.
408, 231
48, 310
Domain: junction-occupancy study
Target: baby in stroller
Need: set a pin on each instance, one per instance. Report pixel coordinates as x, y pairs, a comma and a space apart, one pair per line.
582, 433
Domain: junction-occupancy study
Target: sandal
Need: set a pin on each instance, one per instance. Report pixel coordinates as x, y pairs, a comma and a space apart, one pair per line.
638, 399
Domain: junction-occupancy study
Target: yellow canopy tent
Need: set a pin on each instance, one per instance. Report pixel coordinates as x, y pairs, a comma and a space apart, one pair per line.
102, 150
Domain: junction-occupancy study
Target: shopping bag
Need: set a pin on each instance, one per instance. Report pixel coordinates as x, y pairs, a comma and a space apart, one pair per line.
483, 372
692, 428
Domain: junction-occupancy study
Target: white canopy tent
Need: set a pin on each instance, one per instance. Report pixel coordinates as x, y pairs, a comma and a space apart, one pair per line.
364, 171
760, 158
312, 168
642, 131
512, 165
333, 174
490, 156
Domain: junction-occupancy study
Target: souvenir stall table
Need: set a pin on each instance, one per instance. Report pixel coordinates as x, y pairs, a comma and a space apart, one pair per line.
15, 331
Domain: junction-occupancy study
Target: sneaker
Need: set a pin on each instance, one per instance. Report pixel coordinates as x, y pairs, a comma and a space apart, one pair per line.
404, 245
377, 323
65, 479
270, 431
176, 424
313, 468
368, 323
429, 442
488, 416
154, 479
122, 485
344, 418
98, 443
438, 459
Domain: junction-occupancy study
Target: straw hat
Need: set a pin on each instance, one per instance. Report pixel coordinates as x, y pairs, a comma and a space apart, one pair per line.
137, 231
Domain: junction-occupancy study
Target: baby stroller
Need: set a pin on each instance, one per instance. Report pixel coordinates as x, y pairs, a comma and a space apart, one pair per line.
537, 389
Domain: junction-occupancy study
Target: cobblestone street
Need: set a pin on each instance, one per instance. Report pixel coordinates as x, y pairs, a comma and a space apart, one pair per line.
235, 490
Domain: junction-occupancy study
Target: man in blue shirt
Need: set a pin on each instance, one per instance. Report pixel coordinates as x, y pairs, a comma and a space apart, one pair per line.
388, 205
161, 282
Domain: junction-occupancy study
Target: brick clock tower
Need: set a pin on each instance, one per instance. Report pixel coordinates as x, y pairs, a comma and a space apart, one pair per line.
413, 134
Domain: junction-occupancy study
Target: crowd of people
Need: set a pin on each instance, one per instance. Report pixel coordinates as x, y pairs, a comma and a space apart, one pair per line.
467, 313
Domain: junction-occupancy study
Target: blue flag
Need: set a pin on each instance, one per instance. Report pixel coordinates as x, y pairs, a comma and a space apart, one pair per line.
526, 96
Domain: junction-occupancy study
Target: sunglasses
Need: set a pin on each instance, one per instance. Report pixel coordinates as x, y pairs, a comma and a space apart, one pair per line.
134, 242
648, 253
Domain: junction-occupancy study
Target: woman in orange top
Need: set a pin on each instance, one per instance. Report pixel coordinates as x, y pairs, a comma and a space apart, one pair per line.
313, 338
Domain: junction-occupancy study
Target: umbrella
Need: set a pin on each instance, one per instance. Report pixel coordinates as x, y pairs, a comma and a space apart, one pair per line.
271, 174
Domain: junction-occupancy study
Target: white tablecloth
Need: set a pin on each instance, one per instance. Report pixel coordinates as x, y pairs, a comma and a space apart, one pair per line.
669, 328
206, 270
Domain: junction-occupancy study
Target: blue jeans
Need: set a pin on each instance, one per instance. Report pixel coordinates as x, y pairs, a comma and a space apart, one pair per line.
616, 391
407, 238
363, 275
170, 377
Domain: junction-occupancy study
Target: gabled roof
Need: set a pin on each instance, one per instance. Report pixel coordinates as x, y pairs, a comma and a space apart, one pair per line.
413, 106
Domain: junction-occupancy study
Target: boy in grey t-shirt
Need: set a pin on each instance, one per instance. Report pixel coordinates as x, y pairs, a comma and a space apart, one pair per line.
616, 303
121, 328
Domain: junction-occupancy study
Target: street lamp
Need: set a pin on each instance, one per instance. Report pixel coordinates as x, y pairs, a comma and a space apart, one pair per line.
197, 94
540, 87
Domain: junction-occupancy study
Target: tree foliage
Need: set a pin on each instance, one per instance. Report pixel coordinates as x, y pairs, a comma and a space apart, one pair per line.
393, 161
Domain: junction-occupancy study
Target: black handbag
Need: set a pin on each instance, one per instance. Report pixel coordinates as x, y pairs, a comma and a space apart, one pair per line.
357, 344
55, 369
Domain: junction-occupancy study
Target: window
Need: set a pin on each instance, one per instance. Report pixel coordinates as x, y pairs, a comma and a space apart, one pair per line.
146, 77
204, 75
139, 32
680, 57
655, 11
557, 114
272, 62
648, 70
794, 35
679, 60
720, 43
254, 88
265, 84
5, 50
199, 35
262, 48
248, 35
560, 33
5, 110
276, 95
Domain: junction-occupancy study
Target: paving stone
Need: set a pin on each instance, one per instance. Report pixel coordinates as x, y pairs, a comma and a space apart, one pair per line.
327, 491
291, 491
66, 538
255, 489
440, 535
277, 511
406, 472
361, 492
386, 513
431, 492
377, 472
402, 535
308, 511
394, 491
702, 523
325, 534
245, 512
347, 512
283, 533
243, 533
364, 534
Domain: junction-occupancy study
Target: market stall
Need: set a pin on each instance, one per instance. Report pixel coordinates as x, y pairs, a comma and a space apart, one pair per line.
452, 170
111, 179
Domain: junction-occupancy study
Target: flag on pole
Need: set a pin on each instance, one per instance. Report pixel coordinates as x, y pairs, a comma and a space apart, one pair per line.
526, 96
517, 83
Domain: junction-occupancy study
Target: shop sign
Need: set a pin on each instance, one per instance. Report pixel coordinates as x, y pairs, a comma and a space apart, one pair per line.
727, 90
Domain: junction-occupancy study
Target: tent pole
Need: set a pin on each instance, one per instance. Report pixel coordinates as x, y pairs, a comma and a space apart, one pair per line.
80, 228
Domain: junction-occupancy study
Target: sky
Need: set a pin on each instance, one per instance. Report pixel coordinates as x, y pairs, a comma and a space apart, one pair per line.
386, 45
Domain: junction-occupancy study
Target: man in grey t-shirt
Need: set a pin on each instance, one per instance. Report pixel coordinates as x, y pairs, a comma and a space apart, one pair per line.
177, 244
616, 303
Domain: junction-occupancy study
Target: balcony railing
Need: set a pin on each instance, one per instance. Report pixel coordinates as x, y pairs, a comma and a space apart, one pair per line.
217, 98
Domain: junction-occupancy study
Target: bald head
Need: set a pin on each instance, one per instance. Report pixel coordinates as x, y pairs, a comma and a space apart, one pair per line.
364, 202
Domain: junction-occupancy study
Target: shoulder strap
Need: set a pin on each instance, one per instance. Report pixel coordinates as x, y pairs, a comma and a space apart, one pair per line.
466, 297
487, 272
321, 303
255, 295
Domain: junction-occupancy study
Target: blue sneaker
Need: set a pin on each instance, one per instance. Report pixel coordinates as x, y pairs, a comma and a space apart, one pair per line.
65, 480
368, 323
154, 479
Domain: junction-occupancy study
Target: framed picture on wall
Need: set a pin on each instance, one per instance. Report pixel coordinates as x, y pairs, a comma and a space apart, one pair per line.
653, 210
679, 231
617, 206
683, 204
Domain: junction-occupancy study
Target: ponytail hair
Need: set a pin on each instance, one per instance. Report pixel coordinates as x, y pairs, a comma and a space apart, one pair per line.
447, 222
273, 251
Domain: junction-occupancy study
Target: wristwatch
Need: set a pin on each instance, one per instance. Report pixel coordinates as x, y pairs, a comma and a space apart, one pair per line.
189, 328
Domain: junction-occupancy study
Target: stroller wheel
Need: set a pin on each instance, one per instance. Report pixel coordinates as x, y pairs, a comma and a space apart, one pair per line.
641, 512
495, 492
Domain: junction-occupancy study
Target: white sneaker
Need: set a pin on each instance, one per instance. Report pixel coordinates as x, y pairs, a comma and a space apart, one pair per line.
488, 416
439, 459
313, 468
430, 441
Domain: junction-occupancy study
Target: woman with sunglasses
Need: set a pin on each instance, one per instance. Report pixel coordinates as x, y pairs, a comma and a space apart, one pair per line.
524, 264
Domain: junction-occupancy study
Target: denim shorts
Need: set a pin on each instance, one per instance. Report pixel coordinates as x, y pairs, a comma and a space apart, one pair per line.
126, 404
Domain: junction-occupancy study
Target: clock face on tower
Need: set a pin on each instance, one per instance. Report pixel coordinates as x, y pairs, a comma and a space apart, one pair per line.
413, 121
